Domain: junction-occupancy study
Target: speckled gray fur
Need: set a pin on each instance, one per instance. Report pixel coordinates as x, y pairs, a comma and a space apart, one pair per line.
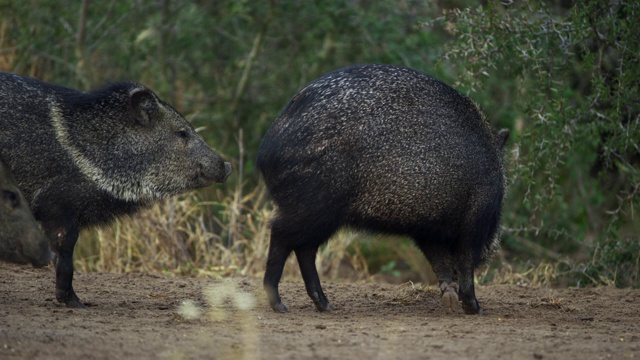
384, 149
83, 159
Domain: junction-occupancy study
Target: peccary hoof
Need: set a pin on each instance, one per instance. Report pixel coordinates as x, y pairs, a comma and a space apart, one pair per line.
449, 300
70, 299
320, 301
472, 308
279, 308
323, 307
76, 304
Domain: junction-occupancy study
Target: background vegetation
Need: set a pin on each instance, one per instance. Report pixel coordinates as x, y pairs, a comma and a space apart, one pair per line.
562, 76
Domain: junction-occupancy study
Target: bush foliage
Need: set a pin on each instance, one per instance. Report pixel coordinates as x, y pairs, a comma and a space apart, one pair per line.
562, 75
569, 78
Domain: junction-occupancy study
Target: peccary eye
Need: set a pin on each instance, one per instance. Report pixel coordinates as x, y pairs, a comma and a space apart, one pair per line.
183, 134
11, 198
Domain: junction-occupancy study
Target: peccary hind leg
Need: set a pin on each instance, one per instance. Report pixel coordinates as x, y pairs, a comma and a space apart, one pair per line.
449, 300
464, 265
306, 259
63, 243
441, 261
304, 240
454, 268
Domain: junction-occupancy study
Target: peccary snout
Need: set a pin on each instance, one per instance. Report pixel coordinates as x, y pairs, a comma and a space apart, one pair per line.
214, 170
21, 240
38, 253
227, 170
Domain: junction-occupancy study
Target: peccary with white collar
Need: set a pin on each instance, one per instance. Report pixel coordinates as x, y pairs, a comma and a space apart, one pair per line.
83, 159
390, 150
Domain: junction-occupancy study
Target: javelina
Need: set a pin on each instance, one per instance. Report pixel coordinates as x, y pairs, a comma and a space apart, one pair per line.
21, 240
390, 150
83, 159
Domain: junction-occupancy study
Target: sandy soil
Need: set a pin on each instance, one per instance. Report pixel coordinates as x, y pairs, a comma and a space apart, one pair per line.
138, 316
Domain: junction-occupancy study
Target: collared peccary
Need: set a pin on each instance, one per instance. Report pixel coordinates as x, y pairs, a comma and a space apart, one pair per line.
21, 240
385, 149
83, 159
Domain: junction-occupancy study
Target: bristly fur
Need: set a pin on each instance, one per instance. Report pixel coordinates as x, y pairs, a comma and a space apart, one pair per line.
386, 149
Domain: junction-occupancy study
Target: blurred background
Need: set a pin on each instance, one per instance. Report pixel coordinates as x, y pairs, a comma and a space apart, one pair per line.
561, 75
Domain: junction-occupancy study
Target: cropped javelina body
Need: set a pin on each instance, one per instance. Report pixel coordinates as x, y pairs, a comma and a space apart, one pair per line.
385, 149
21, 240
82, 159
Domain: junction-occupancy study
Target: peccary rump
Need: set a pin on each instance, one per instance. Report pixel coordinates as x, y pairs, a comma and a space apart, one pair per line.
384, 149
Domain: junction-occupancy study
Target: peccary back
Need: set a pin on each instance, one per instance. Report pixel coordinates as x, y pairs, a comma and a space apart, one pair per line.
385, 149
82, 159
21, 240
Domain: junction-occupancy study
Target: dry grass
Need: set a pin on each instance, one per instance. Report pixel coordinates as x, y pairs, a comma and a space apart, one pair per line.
188, 236
545, 273
409, 292
229, 236
183, 235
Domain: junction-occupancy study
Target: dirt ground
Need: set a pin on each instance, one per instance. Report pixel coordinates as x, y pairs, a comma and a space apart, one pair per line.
142, 316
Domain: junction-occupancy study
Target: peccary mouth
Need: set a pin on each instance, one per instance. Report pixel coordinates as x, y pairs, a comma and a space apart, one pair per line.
227, 171
44, 260
31, 251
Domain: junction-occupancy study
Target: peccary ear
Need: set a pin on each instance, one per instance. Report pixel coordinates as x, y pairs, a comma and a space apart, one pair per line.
502, 137
144, 105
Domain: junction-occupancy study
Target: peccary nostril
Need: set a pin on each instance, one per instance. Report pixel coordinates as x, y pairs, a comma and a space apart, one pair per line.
227, 170
215, 170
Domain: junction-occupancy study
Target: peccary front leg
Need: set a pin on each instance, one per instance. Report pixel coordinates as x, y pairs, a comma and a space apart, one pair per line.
63, 242
306, 260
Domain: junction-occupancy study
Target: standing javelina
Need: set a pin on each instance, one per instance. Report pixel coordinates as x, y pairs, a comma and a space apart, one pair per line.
83, 159
21, 240
390, 150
